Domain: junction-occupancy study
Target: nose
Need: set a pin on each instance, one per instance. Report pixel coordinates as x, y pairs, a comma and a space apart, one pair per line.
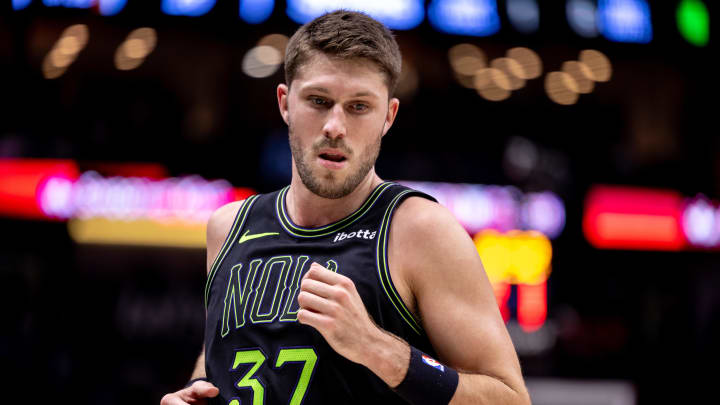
335, 124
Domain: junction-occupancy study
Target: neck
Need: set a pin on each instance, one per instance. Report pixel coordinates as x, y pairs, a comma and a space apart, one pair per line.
309, 210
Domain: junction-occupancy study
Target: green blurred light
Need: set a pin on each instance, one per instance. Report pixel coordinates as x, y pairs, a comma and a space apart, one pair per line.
694, 22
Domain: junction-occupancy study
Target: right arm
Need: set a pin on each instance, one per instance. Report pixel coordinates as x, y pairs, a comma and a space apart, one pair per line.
218, 228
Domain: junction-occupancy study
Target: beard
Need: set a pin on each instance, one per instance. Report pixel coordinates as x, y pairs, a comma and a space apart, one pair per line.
328, 185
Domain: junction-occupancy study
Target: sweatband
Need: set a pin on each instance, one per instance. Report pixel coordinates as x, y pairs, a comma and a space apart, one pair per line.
191, 382
427, 382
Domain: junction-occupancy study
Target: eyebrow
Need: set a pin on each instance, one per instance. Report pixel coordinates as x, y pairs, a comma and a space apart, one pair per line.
358, 94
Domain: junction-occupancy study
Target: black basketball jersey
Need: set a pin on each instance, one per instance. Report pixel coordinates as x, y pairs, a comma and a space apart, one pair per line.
256, 350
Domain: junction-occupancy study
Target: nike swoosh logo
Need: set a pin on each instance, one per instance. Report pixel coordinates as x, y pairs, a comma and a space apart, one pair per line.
245, 237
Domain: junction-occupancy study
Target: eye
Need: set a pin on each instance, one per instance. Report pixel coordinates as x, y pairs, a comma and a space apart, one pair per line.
317, 101
359, 107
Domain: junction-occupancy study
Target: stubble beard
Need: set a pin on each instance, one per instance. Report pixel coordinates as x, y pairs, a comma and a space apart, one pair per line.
327, 185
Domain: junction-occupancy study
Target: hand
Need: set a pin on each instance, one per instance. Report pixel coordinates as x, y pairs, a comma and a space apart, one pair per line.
194, 394
330, 303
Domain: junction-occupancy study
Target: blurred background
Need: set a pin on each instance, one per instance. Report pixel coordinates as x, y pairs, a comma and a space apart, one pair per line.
576, 141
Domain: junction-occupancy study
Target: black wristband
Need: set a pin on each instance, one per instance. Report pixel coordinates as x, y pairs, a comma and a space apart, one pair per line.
427, 382
191, 382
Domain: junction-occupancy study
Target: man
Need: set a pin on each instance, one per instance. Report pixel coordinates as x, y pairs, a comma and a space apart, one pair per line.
342, 288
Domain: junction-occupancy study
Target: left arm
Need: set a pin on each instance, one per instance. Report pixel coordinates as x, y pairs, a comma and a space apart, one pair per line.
439, 275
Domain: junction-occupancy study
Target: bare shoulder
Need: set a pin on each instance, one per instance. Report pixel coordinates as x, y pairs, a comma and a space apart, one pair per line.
218, 227
422, 223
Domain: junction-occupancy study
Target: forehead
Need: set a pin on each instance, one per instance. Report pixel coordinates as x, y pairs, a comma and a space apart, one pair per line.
341, 75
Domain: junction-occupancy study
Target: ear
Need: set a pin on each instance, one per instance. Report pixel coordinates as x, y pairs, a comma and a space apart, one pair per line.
283, 93
393, 106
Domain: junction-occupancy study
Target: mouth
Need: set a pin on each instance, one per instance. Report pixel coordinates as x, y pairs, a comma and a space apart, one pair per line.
332, 159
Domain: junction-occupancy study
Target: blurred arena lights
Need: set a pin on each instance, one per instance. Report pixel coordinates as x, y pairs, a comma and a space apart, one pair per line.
582, 17
23, 180
465, 17
524, 15
69, 3
599, 64
582, 75
277, 41
136, 47
502, 208
397, 14
492, 84
701, 222
466, 60
190, 8
110, 7
261, 61
513, 71
529, 61
633, 218
256, 11
561, 88
72, 40
20, 4
625, 20
693, 22
522, 259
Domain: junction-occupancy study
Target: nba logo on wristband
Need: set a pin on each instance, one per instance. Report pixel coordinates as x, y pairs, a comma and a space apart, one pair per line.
432, 363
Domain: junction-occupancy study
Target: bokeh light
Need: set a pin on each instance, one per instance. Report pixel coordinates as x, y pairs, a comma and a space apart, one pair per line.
582, 75
529, 61
136, 47
492, 84
261, 61
561, 88
599, 64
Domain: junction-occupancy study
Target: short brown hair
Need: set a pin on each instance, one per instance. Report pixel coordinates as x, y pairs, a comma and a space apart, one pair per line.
345, 35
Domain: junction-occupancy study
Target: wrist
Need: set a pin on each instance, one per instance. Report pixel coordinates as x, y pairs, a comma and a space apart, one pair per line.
192, 381
388, 357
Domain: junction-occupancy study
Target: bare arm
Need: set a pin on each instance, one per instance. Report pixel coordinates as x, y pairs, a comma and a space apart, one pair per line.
217, 229
438, 273
434, 259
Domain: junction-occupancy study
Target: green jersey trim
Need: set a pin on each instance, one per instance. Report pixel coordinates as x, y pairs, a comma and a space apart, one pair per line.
301, 232
229, 241
384, 269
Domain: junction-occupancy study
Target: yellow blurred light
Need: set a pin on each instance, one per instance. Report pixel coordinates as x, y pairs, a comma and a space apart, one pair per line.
492, 84
582, 75
61, 59
513, 72
261, 61
123, 61
561, 88
517, 257
277, 41
136, 47
466, 59
68, 45
79, 32
528, 60
142, 232
50, 70
598, 63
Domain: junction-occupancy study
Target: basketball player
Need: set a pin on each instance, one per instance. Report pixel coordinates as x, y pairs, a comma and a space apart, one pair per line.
343, 288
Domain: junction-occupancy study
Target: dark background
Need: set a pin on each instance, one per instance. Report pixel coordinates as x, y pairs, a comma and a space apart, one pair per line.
107, 325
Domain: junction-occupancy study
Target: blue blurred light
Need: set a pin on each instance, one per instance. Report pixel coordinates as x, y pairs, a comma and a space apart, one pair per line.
69, 3
465, 17
111, 7
190, 8
625, 20
524, 15
581, 15
256, 11
20, 4
396, 14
